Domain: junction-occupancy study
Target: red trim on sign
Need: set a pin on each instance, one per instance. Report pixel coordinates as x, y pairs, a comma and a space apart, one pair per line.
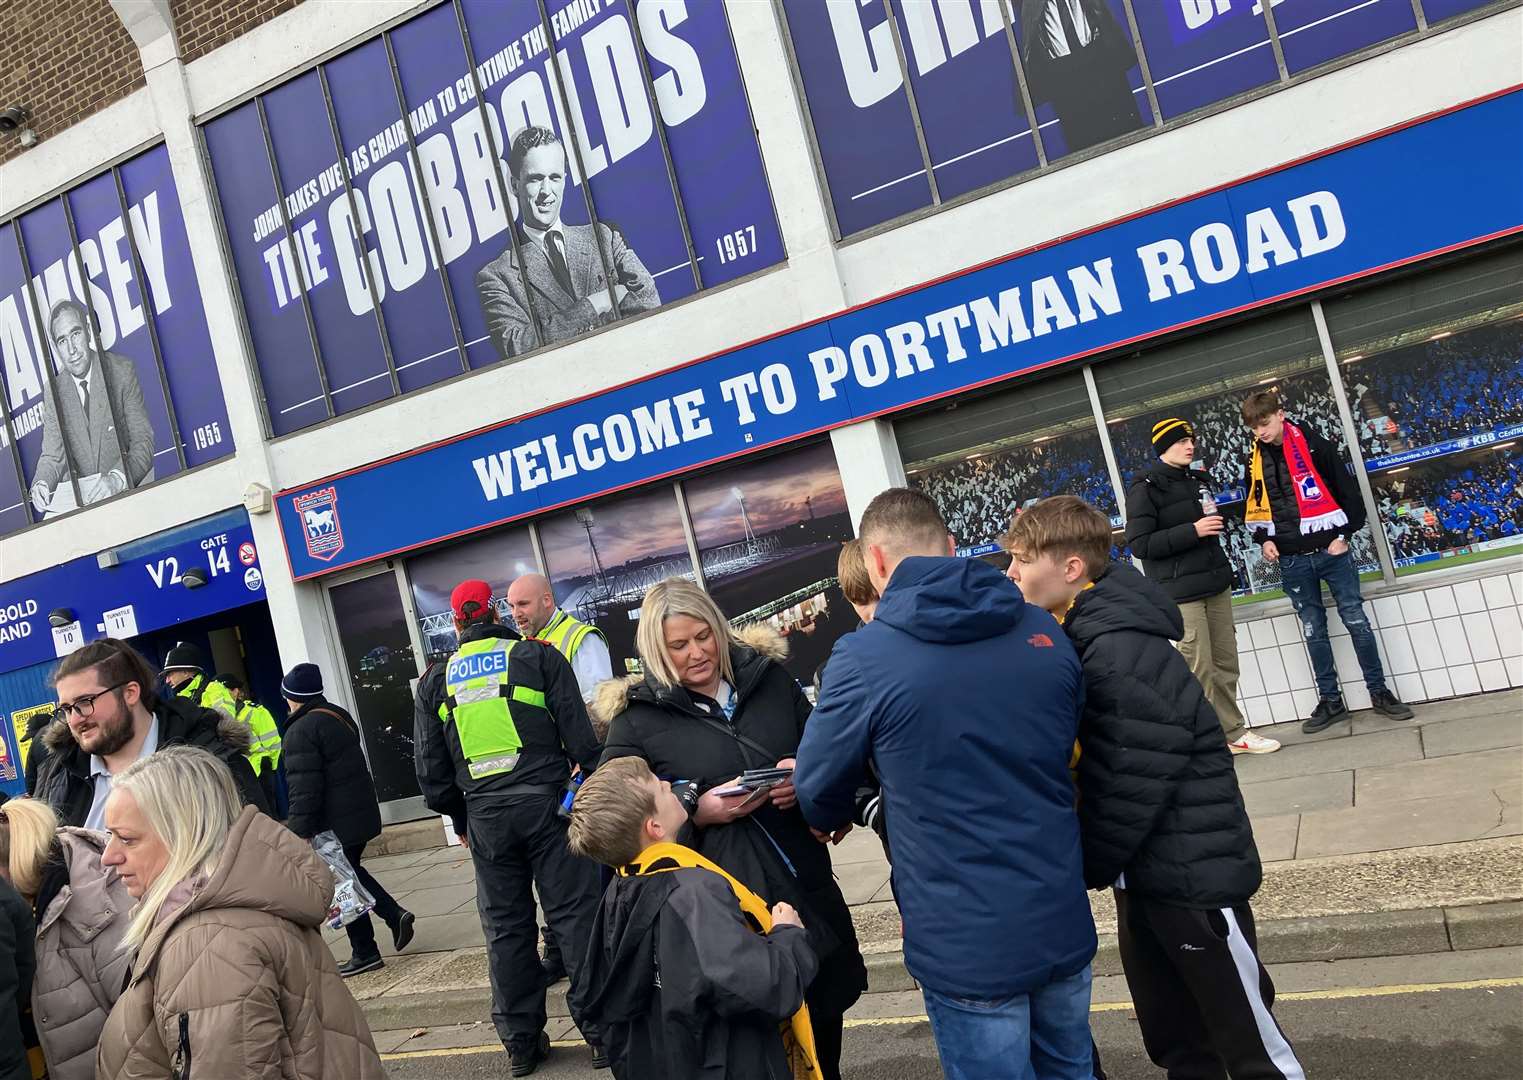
1019, 253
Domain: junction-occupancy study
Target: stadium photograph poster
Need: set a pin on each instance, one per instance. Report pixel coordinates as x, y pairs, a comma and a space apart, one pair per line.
104, 349
530, 186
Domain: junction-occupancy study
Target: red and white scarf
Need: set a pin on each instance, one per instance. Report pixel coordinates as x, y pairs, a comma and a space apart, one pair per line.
1315, 503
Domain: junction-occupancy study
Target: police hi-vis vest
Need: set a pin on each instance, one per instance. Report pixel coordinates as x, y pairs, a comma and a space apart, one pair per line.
566, 634
210, 694
265, 748
477, 692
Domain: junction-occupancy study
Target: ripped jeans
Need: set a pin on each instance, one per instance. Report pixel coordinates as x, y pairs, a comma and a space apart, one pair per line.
1303, 576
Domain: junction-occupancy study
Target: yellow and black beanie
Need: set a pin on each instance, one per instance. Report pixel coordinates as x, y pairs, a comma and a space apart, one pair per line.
1168, 432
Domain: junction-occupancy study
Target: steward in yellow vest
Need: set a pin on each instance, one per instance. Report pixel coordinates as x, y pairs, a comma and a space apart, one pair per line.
185, 673
497, 729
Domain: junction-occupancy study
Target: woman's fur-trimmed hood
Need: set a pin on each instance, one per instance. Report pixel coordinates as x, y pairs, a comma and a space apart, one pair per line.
612, 696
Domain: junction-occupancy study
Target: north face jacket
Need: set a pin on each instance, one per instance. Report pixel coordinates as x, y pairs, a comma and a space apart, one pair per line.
1158, 794
239, 982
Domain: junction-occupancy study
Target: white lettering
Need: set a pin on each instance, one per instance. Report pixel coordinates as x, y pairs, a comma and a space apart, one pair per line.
1092, 290
1163, 262
907, 342
694, 424
869, 361
778, 393
681, 92
829, 366
739, 389
867, 56
1333, 231
1213, 250
945, 325
495, 473
1267, 237
999, 327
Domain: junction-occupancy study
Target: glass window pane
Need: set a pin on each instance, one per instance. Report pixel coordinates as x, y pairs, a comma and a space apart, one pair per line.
496, 558
1204, 380
1201, 52
1082, 71
372, 631
602, 557
1313, 32
769, 533
984, 460
1438, 10
861, 115
1433, 367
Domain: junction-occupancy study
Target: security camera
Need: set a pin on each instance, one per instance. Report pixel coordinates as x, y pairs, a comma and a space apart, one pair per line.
14, 117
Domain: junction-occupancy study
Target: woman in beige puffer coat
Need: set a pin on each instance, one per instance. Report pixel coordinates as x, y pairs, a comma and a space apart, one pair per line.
232, 979
82, 909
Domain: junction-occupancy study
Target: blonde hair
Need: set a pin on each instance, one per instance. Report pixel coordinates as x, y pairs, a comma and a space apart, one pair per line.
678, 596
609, 815
1061, 526
190, 802
28, 831
851, 569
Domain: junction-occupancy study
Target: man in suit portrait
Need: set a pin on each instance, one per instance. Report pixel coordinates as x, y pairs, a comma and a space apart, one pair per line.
566, 283
98, 414
1077, 56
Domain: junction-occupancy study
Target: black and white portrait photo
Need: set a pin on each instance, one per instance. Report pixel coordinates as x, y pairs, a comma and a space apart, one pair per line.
94, 420
567, 287
1077, 56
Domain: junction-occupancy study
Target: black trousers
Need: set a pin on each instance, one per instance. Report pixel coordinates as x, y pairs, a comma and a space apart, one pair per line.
1202, 996
362, 931
517, 843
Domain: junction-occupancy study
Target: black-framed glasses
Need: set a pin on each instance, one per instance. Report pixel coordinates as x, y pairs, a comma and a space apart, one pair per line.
84, 705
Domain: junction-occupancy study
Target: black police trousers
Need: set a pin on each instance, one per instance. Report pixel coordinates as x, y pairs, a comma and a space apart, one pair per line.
517, 843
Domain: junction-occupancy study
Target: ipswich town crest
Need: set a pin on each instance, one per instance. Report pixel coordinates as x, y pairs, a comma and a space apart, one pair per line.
320, 524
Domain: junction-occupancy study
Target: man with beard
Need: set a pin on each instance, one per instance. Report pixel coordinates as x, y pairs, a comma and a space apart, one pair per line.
560, 266
96, 423
108, 717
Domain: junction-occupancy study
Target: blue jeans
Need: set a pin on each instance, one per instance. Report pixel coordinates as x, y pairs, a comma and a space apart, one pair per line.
1043, 1035
1303, 576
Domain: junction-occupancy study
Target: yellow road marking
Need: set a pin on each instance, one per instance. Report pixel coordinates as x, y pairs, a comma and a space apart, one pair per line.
1339, 993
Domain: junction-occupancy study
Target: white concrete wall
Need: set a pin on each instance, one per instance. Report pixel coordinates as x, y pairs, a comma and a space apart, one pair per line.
819, 277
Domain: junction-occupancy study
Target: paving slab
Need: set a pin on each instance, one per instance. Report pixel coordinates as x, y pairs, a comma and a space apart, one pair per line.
1298, 794
378, 864
1472, 734
1276, 836
861, 882
434, 934
444, 1037
400, 972
440, 901
1442, 712
1385, 826
1334, 755
1473, 774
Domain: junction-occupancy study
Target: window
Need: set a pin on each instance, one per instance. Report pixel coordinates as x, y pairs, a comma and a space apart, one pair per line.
985, 460
1433, 367
769, 534
601, 558
372, 631
1204, 380
496, 558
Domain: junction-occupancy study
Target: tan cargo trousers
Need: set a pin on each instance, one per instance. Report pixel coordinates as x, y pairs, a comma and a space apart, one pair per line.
1210, 648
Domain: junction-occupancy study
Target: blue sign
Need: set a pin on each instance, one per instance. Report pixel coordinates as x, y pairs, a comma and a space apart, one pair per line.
1443, 449
148, 589
1322, 221
440, 223
83, 327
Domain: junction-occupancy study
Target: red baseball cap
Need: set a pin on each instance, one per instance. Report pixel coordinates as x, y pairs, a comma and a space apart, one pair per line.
470, 592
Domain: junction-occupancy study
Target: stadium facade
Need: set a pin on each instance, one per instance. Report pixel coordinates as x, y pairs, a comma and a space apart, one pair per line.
374, 297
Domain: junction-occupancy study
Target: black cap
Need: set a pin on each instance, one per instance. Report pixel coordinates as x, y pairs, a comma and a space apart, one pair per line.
184, 657
1168, 432
302, 683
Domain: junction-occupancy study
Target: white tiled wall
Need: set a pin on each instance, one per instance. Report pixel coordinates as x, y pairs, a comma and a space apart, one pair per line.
1439, 640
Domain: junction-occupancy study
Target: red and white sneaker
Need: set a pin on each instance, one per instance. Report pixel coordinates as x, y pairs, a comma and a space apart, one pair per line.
1253, 744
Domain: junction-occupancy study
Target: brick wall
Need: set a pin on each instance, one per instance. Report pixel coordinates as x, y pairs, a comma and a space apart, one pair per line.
63, 59
203, 25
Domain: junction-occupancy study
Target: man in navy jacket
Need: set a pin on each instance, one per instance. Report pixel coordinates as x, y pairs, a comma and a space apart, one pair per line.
967, 701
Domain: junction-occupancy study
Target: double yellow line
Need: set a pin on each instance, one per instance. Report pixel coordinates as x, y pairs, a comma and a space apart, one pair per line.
1340, 993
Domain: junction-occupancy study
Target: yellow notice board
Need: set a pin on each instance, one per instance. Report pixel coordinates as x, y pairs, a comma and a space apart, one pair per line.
21, 720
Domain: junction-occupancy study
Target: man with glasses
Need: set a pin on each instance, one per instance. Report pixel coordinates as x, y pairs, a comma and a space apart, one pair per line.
108, 717
94, 419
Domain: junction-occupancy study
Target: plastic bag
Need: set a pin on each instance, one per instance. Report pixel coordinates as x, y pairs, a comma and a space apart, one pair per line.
350, 898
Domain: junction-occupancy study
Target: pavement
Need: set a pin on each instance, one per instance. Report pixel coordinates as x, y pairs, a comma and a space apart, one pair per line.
1379, 839
1446, 1015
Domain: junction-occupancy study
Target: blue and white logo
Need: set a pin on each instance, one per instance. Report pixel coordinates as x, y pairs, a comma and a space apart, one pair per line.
253, 579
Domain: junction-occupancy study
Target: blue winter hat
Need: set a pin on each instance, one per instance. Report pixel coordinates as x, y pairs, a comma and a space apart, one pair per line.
302, 683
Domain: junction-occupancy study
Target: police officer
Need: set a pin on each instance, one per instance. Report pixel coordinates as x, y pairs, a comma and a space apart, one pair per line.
497, 730
532, 602
264, 751
185, 674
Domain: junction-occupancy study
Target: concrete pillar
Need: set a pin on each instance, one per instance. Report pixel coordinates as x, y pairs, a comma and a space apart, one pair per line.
868, 456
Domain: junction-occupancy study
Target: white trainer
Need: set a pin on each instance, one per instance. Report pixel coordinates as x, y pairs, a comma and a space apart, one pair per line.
1253, 744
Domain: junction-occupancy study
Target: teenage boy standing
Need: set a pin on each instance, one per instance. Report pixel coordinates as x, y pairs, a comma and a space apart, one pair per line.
1302, 510
1160, 815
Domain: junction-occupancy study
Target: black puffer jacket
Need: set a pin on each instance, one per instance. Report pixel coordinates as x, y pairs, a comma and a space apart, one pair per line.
1162, 507
326, 773
18, 964
1333, 469
1158, 795
64, 781
667, 727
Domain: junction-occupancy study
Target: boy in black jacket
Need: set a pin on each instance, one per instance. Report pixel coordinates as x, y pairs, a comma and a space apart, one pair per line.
686, 967
1160, 814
